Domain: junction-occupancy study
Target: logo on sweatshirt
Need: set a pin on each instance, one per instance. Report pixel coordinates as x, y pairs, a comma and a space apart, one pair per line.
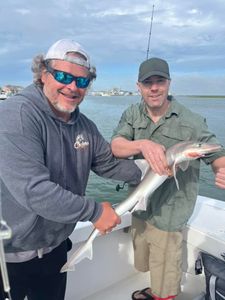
80, 142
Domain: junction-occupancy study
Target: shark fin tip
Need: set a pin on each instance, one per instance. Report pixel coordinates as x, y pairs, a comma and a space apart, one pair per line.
66, 269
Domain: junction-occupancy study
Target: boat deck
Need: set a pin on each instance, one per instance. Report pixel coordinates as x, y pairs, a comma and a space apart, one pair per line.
124, 289
111, 274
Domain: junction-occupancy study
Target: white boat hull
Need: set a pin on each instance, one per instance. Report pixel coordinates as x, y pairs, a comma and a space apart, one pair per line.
111, 275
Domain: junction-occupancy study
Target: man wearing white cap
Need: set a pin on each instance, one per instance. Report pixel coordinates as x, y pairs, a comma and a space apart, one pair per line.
47, 149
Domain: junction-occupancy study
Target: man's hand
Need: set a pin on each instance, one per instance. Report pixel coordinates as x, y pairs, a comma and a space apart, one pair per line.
108, 219
155, 155
220, 178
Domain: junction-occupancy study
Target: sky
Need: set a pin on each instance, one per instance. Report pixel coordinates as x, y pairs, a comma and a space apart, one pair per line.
189, 34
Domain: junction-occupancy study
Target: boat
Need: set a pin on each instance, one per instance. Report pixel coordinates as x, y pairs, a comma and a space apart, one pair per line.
111, 275
3, 96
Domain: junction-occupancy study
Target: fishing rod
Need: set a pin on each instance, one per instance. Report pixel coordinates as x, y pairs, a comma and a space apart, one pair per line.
5, 233
150, 31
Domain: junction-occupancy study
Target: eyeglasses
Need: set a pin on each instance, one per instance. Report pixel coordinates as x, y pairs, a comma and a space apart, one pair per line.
67, 78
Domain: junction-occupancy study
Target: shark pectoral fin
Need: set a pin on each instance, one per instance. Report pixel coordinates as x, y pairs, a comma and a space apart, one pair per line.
85, 251
141, 204
176, 181
175, 175
184, 165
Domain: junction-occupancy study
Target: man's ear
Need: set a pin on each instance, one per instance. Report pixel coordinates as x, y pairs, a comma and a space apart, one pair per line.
138, 86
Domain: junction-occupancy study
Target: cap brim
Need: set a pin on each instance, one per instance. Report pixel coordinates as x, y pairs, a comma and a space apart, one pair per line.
155, 73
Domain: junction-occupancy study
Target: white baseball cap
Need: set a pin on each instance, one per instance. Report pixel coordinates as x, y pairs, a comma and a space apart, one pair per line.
60, 49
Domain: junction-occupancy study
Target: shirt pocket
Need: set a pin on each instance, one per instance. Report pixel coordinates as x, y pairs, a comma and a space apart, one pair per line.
140, 130
173, 135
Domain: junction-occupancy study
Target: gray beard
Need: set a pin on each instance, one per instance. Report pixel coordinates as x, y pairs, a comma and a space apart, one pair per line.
61, 109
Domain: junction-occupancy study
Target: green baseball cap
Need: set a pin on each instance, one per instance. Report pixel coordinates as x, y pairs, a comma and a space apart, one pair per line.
152, 67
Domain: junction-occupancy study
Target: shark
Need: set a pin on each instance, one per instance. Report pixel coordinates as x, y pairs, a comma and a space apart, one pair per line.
178, 156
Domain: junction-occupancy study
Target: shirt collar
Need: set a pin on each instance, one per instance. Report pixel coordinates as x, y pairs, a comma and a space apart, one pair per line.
172, 110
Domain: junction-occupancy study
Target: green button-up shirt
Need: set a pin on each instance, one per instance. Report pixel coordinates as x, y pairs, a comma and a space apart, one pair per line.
169, 208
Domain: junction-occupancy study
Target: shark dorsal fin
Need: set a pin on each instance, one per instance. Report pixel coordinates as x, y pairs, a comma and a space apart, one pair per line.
141, 204
143, 165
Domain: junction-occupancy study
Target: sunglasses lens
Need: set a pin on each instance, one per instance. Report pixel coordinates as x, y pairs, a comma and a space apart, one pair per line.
82, 82
66, 78
63, 77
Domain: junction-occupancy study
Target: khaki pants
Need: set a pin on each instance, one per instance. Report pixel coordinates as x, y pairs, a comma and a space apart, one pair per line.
159, 252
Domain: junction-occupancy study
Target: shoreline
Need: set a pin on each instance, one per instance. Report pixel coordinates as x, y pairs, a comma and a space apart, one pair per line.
203, 96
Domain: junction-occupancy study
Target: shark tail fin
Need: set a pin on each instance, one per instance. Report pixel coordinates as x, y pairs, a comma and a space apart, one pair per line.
85, 251
67, 268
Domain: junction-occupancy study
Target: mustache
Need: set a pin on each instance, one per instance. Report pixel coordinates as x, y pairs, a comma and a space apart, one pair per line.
70, 94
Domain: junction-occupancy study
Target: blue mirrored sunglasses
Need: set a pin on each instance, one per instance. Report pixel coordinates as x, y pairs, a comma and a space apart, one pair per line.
67, 78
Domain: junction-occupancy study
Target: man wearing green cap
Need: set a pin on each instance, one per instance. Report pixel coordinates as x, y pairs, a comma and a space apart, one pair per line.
147, 129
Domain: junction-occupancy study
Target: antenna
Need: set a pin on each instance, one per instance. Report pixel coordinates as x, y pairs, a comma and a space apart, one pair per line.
150, 31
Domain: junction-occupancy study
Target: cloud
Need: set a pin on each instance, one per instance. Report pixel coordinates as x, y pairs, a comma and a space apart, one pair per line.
189, 34
198, 84
22, 11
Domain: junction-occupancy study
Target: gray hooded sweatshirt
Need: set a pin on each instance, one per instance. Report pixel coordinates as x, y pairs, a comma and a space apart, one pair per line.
44, 169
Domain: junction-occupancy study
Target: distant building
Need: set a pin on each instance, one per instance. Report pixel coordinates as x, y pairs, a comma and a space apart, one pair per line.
9, 90
113, 92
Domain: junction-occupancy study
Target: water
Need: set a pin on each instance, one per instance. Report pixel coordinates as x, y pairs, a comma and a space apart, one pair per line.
106, 112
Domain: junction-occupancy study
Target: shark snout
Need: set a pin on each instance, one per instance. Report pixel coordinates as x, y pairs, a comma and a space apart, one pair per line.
201, 149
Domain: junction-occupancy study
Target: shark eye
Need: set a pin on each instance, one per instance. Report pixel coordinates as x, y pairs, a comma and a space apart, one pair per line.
199, 145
